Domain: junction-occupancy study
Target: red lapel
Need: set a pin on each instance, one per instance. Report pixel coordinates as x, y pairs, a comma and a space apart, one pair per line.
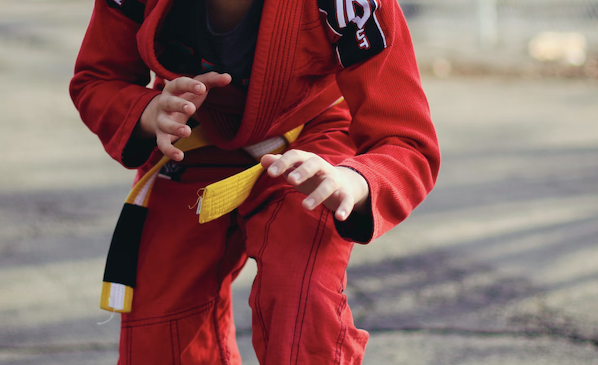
272, 65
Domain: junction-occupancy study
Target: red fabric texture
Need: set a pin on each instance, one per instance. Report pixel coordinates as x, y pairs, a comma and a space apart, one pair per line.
182, 313
182, 303
181, 310
295, 76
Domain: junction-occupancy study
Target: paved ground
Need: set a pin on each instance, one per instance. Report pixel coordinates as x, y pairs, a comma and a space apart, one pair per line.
498, 266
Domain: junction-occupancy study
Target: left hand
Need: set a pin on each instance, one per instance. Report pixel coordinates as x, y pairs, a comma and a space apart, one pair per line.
341, 189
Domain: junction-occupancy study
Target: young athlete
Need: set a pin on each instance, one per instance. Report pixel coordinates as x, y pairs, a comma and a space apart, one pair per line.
242, 74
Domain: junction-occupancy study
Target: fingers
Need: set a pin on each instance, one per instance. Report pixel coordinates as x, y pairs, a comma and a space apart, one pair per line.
268, 160
167, 125
298, 158
340, 189
312, 166
184, 95
323, 191
166, 116
164, 143
213, 79
346, 206
173, 104
337, 199
183, 85
313, 176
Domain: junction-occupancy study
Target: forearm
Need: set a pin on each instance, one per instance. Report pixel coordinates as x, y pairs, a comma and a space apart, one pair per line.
397, 147
108, 87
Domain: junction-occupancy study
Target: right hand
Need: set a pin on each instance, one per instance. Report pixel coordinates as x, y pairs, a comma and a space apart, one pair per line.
166, 115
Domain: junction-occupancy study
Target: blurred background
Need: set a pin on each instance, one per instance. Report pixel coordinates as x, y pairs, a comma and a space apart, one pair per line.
498, 266
528, 38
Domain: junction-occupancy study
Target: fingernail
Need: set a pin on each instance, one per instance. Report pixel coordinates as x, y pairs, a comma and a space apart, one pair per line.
182, 130
273, 170
295, 176
310, 202
342, 213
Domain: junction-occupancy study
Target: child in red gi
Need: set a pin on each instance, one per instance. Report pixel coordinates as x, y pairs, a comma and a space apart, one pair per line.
249, 71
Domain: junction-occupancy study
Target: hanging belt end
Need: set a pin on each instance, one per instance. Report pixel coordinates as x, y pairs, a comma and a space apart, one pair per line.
116, 297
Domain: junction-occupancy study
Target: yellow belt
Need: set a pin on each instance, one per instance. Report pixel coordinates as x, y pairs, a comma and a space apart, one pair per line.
216, 200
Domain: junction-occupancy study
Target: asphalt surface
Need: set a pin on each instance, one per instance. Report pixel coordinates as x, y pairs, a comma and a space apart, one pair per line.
497, 266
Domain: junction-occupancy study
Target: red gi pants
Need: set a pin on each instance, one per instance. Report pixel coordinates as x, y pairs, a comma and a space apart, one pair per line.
182, 308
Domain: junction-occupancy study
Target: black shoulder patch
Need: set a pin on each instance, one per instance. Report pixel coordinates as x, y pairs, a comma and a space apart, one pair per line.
361, 36
132, 9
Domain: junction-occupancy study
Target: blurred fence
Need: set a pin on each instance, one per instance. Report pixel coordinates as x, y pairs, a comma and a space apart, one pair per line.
566, 29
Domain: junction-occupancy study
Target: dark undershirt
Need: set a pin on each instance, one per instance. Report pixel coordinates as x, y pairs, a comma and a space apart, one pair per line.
188, 45
191, 47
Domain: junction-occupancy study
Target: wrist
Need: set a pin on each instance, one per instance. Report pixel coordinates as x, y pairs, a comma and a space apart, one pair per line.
359, 189
145, 127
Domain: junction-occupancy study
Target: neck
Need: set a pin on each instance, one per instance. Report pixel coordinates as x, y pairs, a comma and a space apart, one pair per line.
225, 15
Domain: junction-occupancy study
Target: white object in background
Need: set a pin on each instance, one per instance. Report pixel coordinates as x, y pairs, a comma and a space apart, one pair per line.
567, 47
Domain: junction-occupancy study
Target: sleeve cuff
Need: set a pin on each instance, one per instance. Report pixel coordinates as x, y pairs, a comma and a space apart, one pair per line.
137, 152
358, 227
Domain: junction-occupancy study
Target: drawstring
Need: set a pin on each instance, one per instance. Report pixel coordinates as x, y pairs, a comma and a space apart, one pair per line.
198, 201
109, 319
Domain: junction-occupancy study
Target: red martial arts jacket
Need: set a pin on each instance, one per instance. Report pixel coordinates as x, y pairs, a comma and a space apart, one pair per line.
308, 53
